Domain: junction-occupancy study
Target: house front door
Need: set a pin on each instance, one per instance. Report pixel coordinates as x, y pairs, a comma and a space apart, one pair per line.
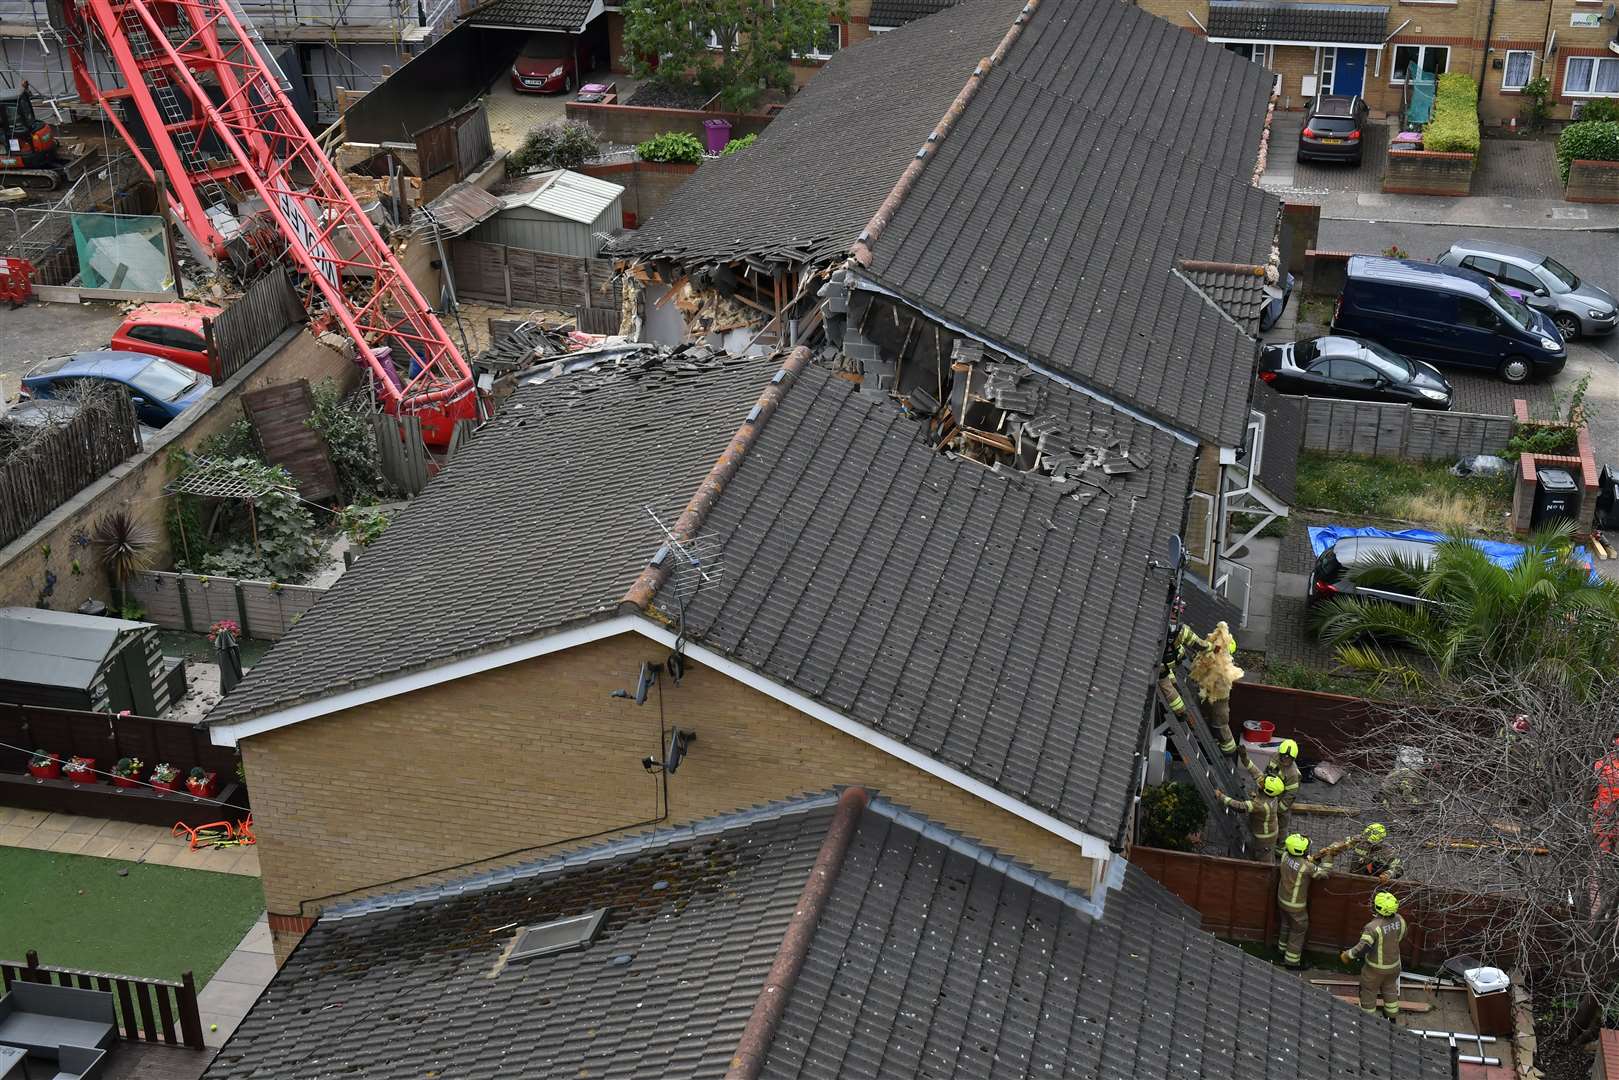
1349, 72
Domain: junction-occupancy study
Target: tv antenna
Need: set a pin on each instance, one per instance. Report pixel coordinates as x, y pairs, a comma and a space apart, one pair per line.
692, 563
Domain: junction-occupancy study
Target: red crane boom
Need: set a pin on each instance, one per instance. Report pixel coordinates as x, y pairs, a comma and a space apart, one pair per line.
222, 130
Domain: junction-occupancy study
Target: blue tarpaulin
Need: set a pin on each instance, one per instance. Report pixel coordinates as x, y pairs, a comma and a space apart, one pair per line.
1502, 554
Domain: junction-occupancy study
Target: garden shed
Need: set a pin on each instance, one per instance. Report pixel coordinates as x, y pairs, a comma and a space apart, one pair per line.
559, 213
64, 660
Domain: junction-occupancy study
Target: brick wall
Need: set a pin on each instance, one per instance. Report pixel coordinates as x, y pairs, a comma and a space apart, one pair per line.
1592, 182
1606, 1065
538, 753
1324, 272
632, 124
1424, 172
647, 185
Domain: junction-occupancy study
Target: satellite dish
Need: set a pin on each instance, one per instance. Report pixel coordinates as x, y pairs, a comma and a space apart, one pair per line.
1177, 551
649, 675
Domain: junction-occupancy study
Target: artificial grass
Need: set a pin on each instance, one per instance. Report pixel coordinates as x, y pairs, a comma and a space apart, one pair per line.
1426, 493
159, 921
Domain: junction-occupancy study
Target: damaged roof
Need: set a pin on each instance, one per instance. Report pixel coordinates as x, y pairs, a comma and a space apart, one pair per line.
1001, 622
1240, 292
558, 485
804, 190
568, 16
932, 956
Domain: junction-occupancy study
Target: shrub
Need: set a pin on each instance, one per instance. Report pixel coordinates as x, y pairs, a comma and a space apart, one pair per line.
675, 146
351, 443
1454, 127
1588, 140
1599, 110
561, 144
1537, 102
739, 144
1171, 814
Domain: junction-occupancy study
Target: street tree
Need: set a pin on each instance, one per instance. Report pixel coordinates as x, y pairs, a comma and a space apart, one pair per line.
735, 48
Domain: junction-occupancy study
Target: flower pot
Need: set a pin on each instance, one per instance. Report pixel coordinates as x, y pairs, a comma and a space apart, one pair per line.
166, 785
125, 781
87, 776
53, 771
203, 789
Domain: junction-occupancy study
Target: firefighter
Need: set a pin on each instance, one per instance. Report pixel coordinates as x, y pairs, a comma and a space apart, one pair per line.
1367, 854
1380, 944
1285, 764
1181, 638
1293, 897
1263, 811
1214, 673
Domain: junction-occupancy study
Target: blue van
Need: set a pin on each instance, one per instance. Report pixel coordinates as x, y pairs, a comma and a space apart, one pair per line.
1450, 316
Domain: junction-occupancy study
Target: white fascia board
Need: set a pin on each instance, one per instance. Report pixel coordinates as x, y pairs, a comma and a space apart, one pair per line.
229, 734
1091, 847
1372, 46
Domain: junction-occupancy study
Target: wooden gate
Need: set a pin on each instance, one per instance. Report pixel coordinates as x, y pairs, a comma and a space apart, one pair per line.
280, 416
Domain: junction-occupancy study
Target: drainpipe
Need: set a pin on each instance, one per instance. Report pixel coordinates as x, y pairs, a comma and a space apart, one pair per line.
1484, 61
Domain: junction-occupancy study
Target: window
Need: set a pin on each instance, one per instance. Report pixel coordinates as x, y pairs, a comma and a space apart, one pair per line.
1350, 371
1520, 279
1434, 59
1473, 313
1520, 68
826, 43
1592, 76
1517, 312
163, 381
1563, 275
1259, 54
558, 935
1487, 267
146, 333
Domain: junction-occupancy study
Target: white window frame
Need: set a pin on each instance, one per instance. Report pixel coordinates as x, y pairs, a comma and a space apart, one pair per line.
1596, 63
1397, 74
832, 25
1327, 69
1506, 67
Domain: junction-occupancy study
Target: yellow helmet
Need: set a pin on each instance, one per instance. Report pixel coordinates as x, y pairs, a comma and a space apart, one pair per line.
1384, 903
1274, 785
1297, 844
1288, 748
1375, 832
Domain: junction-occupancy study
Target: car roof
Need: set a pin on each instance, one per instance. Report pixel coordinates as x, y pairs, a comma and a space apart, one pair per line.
1412, 272
1356, 550
183, 314
1334, 105
110, 363
1490, 247
1339, 345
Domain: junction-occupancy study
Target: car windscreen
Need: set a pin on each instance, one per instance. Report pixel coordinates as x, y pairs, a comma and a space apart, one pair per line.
1515, 309
163, 381
1389, 362
1332, 125
546, 48
1564, 276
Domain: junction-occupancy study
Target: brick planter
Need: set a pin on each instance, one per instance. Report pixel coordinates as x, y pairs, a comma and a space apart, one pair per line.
1592, 182
1427, 172
1582, 463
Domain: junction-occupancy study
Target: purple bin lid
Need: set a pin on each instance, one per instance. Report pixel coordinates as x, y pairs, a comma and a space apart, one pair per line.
593, 88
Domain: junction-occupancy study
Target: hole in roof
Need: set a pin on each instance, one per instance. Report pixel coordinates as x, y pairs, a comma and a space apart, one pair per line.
558, 935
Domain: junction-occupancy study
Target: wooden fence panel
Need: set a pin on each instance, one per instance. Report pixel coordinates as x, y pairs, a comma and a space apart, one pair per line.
158, 594
401, 453
480, 271
459, 143
473, 144
251, 322
280, 415
37, 478
272, 609
210, 600
175, 1000
265, 610
1369, 429
520, 277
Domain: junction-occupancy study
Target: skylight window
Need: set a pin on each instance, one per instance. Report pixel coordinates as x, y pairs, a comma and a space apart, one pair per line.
559, 935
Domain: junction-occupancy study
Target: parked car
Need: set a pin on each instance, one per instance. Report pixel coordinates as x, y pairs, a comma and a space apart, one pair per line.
159, 389
1349, 569
172, 331
1272, 311
546, 65
1447, 316
1332, 129
1576, 306
1338, 366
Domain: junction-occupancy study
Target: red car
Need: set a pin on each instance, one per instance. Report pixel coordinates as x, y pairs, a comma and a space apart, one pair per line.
546, 65
172, 331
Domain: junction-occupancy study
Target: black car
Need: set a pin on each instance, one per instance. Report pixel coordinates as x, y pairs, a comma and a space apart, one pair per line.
1350, 568
1340, 366
1333, 128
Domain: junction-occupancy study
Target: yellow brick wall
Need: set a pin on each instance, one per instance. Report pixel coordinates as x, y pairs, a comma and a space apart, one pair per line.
538, 753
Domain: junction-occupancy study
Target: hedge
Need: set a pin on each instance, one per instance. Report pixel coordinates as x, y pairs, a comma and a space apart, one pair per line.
1454, 127
1588, 140
677, 146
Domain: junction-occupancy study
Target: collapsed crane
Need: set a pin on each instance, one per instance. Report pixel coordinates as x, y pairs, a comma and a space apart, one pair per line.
221, 136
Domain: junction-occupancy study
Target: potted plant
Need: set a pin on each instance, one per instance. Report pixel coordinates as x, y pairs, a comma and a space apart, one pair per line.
127, 773
165, 777
45, 765
202, 783
81, 770
229, 626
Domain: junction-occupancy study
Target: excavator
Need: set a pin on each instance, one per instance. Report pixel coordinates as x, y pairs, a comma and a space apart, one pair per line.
206, 113
30, 157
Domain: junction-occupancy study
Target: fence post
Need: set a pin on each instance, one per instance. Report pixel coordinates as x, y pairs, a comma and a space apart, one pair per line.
33, 973
213, 349
190, 1019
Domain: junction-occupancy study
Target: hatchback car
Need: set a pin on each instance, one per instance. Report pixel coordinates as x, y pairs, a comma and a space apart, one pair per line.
1350, 568
1339, 366
172, 331
1576, 306
160, 390
546, 65
1333, 128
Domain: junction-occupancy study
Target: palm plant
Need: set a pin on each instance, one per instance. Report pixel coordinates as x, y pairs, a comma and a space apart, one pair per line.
1547, 618
123, 544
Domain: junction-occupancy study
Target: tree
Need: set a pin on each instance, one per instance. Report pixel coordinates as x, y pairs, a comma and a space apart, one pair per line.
735, 48
1546, 618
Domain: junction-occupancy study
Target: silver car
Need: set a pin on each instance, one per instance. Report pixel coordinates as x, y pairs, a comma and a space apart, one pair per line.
1577, 307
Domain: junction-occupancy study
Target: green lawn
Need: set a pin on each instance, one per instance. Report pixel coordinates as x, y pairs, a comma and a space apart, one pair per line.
76, 911
1422, 492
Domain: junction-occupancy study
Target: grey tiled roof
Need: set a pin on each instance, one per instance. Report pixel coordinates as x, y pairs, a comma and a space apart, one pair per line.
900, 12
1284, 438
821, 169
564, 15
1241, 296
540, 522
1344, 24
933, 957
984, 618
1051, 219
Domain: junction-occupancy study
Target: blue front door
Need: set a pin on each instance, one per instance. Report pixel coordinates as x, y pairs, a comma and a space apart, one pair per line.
1349, 76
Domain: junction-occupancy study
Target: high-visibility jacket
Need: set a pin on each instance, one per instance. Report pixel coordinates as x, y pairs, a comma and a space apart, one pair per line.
1380, 943
1371, 859
1287, 769
1293, 891
1264, 814
1182, 639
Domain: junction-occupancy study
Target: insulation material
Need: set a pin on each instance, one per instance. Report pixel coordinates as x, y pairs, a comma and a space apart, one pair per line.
1213, 670
120, 252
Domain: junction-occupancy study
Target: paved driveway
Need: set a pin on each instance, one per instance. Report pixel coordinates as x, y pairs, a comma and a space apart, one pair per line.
30, 334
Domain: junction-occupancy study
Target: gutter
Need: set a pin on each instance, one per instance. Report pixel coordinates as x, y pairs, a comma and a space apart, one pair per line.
860, 253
